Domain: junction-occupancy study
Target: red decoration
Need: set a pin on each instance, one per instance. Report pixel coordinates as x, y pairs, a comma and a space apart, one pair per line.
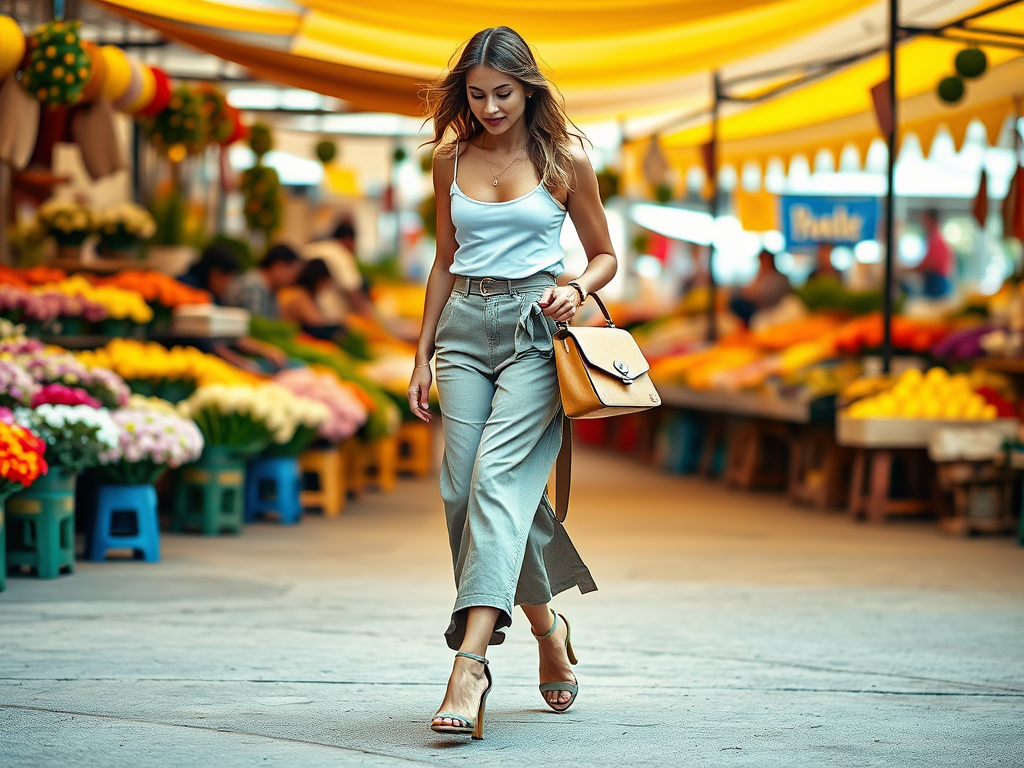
238, 131
161, 96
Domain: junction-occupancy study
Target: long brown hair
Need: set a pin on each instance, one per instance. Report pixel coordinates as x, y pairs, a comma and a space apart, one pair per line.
549, 140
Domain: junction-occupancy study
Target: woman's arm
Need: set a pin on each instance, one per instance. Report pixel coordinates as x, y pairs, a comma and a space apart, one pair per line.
300, 308
439, 287
588, 216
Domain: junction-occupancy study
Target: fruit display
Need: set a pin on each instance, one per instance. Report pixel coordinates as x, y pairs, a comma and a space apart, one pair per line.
932, 395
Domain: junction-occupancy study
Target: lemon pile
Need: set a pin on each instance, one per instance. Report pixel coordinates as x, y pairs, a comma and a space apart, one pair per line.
931, 395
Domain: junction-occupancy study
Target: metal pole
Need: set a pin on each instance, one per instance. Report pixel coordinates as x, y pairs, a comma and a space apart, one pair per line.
890, 194
713, 170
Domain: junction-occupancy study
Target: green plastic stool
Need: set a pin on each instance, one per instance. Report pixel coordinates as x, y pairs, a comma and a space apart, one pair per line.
41, 520
210, 494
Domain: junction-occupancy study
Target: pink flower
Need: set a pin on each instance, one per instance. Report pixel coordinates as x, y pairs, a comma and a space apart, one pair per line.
58, 394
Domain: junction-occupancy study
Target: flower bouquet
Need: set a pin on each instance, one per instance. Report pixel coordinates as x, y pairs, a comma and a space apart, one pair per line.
346, 411
17, 387
76, 436
66, 221
120, 305
123, 227
232, 417
296, 420
152, 440
62, 368
153, 370
58, 394
21, 458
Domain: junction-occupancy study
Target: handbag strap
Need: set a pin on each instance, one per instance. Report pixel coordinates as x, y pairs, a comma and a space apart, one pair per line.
563, 471
604, 311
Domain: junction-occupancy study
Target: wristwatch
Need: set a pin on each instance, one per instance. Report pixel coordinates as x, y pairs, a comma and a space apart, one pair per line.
579, 289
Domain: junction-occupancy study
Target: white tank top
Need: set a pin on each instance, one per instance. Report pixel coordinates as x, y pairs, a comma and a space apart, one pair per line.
512, 239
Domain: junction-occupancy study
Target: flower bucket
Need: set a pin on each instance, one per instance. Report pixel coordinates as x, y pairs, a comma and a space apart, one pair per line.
209, 494
41, 523
115, 328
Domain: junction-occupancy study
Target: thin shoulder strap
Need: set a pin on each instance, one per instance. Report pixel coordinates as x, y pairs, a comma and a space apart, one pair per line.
455, 176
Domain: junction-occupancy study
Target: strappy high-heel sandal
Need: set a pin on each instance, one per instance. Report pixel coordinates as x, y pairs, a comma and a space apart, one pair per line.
474, 728
572, 688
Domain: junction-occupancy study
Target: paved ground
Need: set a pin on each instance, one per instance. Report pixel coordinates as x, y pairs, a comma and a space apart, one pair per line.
730, 630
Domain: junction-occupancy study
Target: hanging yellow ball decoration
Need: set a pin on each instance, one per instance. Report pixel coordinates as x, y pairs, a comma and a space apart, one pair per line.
119, 72
12, 46
147, 92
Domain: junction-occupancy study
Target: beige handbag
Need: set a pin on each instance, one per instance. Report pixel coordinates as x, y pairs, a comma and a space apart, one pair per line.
601, 373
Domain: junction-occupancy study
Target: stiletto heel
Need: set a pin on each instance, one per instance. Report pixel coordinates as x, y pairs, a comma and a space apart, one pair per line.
572, 688
474, 728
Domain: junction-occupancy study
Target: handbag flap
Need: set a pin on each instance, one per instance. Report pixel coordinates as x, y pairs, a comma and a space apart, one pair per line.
611, 350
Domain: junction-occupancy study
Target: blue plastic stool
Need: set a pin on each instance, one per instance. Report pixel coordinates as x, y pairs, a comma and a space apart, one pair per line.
273, 485
686, 436
125, 519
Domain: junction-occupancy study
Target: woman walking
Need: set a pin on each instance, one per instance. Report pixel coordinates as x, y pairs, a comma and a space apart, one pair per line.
506, 171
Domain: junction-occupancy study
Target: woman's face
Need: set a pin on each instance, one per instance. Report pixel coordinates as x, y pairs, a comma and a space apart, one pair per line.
498, 100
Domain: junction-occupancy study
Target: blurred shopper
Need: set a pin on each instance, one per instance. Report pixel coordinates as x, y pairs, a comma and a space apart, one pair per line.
936, 268
503, 187
347, 292
216, 272
256, 290
299, 303
768, 288
824, 269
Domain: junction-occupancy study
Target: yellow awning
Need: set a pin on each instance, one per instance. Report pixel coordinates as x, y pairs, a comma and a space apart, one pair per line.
837, 111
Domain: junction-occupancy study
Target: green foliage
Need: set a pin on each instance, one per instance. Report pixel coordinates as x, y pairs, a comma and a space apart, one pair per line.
181, 124
169, 213
828, 293
261, 140
663, 193
58, 67
219, 124
386, 269
264, 208
428, 212
326, 151
399, 155
607, 184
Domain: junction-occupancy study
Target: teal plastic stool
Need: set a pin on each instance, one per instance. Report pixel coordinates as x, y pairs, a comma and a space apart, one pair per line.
125, 519
210, 494
41, 520
686, 436
273, 485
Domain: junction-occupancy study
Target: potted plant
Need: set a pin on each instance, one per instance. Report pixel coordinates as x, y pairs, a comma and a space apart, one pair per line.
122, 228
68, 223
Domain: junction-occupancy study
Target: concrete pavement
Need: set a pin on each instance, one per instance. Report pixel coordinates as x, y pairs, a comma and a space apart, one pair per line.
730, 630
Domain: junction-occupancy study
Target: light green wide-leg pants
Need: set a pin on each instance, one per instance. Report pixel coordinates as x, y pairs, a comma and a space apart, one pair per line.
501, 415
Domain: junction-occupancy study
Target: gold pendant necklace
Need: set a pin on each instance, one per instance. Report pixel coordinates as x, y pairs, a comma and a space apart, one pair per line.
491, 170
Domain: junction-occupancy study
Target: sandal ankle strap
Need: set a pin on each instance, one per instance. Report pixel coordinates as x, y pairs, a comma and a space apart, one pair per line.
472, 656
554, 623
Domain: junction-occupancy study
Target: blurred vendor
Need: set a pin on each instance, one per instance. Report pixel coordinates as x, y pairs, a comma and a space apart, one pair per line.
824, 269
214, 272
299, 303
256, 290
346, 293
936, 268
217, 272
768, 288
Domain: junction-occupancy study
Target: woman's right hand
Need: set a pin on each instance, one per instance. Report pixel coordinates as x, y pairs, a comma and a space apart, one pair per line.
419, 393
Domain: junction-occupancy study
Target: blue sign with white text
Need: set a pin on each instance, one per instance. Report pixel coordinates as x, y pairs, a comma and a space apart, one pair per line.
808, 221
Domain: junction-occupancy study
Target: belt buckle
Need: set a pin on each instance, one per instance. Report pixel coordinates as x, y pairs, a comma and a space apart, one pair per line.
483, 285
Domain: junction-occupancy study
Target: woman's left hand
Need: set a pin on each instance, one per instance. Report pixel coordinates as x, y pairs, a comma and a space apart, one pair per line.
560, 303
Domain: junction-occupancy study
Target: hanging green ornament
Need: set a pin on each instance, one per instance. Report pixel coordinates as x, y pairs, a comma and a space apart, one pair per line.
400, 155
260, 139
951, 90
264, 207
326, 151
58, 66
219, 123
971, 62
180, 129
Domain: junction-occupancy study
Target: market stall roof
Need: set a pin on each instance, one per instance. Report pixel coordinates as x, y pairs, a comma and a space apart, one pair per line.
837, 111
616, 59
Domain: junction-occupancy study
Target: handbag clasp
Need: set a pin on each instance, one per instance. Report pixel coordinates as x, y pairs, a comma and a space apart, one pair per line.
623, 368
